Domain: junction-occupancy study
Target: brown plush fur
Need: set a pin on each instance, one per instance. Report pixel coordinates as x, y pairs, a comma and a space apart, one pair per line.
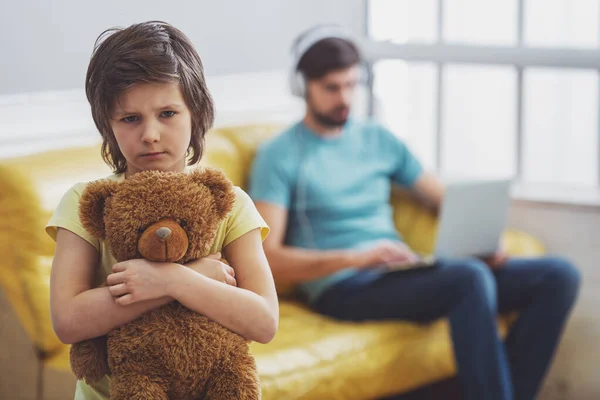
170, 352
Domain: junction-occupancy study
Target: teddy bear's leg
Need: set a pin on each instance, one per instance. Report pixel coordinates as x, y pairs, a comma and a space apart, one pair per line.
88, 359
236, 378
131, 386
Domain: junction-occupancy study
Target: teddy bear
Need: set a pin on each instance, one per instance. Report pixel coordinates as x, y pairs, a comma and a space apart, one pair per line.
171, 352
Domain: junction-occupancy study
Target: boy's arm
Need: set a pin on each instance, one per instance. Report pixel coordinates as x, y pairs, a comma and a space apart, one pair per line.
79, 311
251, 309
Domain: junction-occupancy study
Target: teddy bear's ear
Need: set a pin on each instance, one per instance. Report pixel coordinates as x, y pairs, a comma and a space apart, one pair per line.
91, 206
219, 185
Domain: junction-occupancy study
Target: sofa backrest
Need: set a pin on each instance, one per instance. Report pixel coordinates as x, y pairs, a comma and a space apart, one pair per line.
32, 186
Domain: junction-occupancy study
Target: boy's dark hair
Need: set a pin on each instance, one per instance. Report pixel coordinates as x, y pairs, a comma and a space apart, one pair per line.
328, 55
149, 52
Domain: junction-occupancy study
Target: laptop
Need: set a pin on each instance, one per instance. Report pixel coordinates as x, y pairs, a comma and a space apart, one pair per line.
471, 222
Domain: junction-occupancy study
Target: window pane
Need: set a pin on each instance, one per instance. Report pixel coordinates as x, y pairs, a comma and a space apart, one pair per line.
402, 21
480, 21
561, 23
405, 96
561, 126
478, 121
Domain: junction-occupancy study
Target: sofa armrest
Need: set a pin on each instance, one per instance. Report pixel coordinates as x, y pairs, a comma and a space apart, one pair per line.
418, 227
416, 224
26, 256
28, 292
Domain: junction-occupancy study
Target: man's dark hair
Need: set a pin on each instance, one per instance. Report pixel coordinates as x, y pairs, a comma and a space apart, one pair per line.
328, 55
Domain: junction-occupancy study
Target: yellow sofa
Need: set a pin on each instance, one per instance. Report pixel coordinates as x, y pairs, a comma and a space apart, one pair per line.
311, 357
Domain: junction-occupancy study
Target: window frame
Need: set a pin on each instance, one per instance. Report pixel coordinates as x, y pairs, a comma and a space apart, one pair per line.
441, 54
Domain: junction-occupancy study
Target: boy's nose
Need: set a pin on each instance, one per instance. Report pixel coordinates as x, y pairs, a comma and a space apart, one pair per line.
151, 133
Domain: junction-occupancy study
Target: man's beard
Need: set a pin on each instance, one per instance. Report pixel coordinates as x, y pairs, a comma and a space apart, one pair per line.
329, 120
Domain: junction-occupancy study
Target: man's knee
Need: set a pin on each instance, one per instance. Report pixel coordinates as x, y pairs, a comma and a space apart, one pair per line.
474, 278
563, 276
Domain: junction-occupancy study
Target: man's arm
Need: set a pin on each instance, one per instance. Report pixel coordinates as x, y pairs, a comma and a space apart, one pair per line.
270, 187
294, 265
430, 190
408, 172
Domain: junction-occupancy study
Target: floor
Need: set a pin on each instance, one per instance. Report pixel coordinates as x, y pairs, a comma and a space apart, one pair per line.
444, 390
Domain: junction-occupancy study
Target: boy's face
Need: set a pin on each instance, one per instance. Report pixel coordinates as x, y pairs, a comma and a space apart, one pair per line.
153, 127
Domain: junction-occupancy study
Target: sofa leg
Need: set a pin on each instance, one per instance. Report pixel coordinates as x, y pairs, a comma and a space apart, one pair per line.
39, 391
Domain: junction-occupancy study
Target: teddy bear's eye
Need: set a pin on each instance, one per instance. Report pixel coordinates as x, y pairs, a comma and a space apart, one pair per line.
140, 230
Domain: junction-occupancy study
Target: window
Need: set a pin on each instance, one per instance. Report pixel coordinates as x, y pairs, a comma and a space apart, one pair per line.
560, 123
562, 23
478, 138
491, 88
408, 94
402, 21
483, 22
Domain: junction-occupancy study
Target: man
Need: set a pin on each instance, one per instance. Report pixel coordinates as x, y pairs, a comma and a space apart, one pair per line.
323, 187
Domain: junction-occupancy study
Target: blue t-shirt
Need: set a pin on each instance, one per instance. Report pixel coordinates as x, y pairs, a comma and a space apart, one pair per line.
336, 189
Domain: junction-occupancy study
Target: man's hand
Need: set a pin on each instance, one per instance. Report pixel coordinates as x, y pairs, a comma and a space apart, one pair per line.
385, 253
496, 260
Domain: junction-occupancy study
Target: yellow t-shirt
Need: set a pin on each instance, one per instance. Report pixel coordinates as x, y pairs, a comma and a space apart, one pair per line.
242, 219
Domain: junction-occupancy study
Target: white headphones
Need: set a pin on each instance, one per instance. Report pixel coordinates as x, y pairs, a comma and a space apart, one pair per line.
304, 42
298, 88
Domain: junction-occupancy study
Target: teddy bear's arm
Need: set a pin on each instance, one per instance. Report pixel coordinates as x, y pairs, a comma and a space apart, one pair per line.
89, 359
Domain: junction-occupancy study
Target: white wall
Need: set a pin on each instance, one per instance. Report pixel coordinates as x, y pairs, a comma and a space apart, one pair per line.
571, 231
35, 122
46, 44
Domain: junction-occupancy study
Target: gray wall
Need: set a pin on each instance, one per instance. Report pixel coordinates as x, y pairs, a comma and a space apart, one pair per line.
46, 44
571, 232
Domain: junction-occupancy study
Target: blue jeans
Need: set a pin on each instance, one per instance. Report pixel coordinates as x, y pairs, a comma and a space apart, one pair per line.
542, 290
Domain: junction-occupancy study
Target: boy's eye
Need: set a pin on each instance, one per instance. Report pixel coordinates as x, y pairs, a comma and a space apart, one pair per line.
130, 119
167, 114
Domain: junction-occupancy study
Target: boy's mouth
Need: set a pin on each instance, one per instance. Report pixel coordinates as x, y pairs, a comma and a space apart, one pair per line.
153, 155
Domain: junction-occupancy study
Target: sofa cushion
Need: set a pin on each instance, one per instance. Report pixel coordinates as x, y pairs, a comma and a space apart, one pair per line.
316, 357
247, 139
311, 353
222, 153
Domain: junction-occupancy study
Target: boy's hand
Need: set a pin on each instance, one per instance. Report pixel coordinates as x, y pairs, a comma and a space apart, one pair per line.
138, 280
212, 267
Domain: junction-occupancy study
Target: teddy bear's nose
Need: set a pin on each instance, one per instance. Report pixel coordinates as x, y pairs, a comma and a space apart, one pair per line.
163, 232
